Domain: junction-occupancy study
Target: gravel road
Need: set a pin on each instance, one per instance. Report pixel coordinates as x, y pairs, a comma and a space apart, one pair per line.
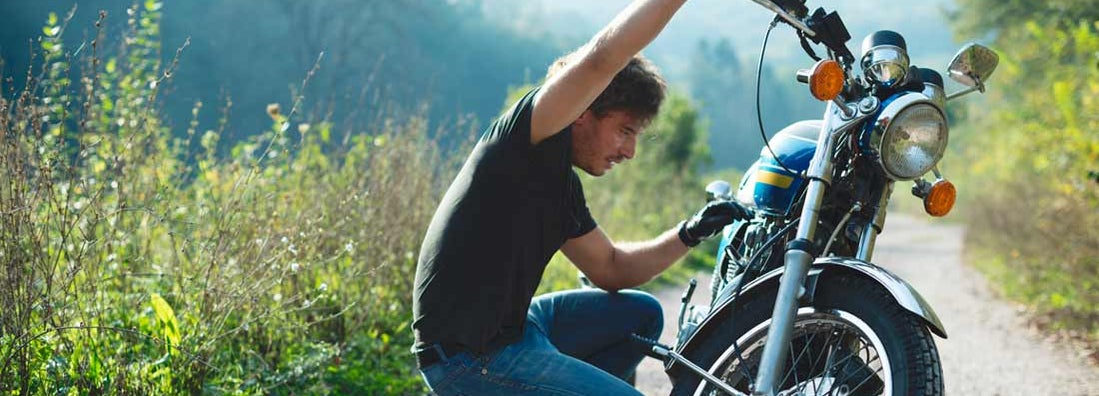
991, 350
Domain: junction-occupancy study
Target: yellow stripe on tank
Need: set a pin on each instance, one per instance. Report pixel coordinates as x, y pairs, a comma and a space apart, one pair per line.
774, 179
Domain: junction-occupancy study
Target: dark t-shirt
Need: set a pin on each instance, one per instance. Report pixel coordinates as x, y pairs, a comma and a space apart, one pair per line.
510, 208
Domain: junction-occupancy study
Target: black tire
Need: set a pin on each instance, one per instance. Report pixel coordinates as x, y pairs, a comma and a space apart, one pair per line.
910, 353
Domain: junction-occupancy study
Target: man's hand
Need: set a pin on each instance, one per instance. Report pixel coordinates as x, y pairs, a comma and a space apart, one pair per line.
710, 220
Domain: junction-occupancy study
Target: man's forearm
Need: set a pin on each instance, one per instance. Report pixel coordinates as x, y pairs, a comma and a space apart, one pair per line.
630, 31
638, 262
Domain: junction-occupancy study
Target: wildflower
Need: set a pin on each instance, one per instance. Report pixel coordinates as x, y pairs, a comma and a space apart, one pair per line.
303, 128
294, 267
285, 239
273, 111
277, 297
323, 286
349, 247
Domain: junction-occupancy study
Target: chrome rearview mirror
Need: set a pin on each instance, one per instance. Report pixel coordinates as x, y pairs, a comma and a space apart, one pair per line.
719, 189
972, 66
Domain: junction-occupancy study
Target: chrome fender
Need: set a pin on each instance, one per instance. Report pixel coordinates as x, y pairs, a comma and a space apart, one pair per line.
903, 293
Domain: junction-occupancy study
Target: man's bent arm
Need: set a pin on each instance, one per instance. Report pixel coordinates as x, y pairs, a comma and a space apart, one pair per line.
569, 92
614, 266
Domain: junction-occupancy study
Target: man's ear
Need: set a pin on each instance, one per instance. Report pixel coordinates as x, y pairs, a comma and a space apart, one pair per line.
586, 117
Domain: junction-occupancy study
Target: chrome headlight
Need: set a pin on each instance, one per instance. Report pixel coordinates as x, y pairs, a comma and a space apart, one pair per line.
909, 136
884, 58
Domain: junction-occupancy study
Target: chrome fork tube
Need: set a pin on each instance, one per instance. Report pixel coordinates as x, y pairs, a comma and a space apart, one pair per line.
798, 259
870, 232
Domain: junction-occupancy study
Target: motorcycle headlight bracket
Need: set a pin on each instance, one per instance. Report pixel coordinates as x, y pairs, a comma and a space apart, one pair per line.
910, 136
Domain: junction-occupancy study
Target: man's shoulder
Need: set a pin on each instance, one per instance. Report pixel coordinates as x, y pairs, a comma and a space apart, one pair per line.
514, 123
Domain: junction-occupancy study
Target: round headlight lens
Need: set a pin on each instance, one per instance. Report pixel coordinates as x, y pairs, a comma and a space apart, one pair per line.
886, 65
914, 141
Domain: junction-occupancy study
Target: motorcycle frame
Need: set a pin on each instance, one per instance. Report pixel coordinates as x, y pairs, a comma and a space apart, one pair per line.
798, 258
838, 117
796, 279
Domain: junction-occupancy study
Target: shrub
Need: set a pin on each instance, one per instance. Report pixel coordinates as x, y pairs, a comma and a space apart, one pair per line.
137, 262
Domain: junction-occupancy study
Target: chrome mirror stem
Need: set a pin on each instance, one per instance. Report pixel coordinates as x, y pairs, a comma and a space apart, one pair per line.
962, 93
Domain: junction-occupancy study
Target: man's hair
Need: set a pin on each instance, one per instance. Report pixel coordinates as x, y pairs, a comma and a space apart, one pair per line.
637, 89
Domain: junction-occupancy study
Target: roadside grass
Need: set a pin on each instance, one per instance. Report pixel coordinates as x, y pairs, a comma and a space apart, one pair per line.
138, 262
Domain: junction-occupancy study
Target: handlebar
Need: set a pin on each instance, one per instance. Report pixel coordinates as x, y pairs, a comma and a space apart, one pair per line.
821, 27
790, 17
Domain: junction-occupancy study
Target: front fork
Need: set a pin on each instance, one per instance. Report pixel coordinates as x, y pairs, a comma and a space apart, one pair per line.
799, 256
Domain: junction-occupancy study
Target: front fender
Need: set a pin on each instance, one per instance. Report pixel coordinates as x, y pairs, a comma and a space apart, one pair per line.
903, 293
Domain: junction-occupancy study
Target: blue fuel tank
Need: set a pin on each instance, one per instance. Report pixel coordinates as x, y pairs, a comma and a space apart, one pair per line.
768, 187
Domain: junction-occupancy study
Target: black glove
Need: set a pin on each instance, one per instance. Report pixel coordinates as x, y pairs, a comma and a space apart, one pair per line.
710, 220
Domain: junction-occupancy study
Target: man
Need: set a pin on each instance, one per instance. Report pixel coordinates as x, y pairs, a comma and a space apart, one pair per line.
516, 201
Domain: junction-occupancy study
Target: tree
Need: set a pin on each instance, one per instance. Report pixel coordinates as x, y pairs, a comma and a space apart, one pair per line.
727, 93
975, 17
1032, 146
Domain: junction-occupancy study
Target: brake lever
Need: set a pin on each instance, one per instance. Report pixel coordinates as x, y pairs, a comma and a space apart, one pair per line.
786, 16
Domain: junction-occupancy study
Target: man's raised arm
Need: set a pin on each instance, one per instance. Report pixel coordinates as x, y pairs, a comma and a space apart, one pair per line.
565, 96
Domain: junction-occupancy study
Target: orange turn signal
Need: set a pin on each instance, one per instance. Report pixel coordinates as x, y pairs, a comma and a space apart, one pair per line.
940, 199
826, 80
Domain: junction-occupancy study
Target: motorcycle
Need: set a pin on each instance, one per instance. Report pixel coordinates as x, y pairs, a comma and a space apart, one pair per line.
798, 308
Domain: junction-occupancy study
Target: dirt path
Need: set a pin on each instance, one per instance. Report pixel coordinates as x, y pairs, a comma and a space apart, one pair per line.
991, 349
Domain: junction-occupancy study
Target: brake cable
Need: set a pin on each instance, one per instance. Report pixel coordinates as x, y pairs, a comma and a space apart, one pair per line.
759, 112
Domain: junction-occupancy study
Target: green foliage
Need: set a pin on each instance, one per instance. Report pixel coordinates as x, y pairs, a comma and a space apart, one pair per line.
136, 262
974, 17
1030, 147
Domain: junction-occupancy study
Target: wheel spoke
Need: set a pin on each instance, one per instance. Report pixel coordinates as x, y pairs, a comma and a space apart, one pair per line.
806, 350
798, 383
866, 363
872, 375
828, 353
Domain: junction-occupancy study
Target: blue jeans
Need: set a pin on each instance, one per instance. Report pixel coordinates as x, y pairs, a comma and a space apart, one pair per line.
575, 343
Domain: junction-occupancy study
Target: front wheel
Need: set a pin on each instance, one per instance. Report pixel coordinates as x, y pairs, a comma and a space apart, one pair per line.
854, 340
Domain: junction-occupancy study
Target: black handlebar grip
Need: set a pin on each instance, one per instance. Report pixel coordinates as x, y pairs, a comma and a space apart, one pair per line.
796, 8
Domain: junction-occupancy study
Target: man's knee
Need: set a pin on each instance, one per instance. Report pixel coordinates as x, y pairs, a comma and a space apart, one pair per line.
645, 305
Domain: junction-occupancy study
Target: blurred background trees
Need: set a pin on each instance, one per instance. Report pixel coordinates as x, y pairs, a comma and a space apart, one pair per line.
1030, 156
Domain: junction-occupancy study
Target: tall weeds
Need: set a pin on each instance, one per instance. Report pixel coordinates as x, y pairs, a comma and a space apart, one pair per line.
139, 262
